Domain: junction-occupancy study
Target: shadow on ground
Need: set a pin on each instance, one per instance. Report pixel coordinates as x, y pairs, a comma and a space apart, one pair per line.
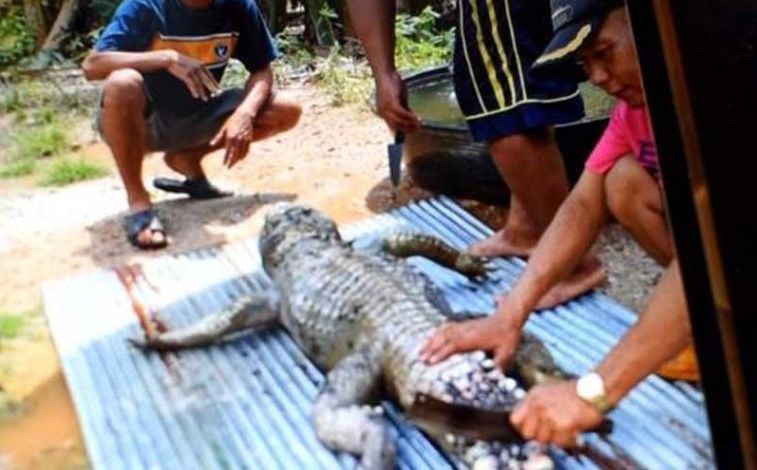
188, 223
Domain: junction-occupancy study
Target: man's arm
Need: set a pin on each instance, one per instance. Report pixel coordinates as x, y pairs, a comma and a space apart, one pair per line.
373, 21
662, 331
237, 132
98, 65
554, 413
201, 83
258, 90
564, 244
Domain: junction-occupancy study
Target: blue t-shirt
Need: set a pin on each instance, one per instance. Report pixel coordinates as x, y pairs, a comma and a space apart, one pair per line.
213, 35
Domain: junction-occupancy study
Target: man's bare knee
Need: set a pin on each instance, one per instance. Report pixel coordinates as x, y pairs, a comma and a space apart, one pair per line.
289, 112
625, 188
280, 115
123, 87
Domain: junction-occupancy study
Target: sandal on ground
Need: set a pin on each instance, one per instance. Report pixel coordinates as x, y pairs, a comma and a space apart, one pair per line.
138, 222
196, 188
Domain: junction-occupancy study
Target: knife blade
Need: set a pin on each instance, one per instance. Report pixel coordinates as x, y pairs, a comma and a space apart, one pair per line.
436, 417
394, 151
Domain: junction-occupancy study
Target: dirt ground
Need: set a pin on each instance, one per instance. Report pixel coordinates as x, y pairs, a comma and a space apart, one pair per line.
332, 160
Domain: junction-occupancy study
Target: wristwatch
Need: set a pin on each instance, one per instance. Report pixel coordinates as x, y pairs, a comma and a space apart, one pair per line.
591, 388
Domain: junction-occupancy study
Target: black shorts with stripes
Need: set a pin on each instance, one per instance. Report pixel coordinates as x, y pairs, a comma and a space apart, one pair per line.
496, 43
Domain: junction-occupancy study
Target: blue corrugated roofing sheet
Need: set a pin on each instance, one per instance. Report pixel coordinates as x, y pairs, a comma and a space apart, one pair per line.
245, 403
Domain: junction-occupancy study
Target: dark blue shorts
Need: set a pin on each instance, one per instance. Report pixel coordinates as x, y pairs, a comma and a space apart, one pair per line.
496, 43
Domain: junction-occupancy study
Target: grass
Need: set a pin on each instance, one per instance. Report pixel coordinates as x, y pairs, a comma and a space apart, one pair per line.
11, 325
41, 146
18, 168
46, 140
345, 80
67, 171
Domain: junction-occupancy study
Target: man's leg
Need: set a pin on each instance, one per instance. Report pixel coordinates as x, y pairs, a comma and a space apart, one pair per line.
531, 165
634, 198
278, 115
188, 161
124, 129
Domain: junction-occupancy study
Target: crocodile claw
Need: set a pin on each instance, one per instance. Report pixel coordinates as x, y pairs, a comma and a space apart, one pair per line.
473, 266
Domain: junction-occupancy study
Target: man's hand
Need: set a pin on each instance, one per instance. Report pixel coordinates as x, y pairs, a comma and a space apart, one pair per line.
498, 334
391, 103
193, 73
554, 413
236, 136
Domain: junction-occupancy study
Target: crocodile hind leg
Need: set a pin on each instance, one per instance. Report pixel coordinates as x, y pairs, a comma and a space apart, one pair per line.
343, 419
256, 310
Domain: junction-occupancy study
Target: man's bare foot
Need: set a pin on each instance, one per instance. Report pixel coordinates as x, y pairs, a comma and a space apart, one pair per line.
588, 275
500, 244
143, 228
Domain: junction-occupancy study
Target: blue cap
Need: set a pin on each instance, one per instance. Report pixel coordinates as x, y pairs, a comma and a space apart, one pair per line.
574, 22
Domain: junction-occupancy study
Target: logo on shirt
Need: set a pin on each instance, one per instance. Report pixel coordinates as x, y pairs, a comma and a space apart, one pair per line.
648, 157
221, 50
647, 153
212, 50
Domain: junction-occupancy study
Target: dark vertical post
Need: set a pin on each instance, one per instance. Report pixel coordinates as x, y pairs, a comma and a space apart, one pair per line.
699, 65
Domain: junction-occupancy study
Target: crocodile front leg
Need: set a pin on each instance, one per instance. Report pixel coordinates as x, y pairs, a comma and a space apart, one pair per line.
342, 418
404, 245
251, 311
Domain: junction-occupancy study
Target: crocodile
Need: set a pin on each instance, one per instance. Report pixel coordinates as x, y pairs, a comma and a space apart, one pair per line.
363, 315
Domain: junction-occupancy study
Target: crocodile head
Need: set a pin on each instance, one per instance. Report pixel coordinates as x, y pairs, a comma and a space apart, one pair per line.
287, 225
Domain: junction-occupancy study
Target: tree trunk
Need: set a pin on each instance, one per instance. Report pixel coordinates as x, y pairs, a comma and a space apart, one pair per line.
62, 25
36, 18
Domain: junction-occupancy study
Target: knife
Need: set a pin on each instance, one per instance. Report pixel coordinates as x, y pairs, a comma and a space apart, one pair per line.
436, 417
395, 157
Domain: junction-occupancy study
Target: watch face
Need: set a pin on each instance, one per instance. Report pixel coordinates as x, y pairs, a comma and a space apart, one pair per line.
590, 386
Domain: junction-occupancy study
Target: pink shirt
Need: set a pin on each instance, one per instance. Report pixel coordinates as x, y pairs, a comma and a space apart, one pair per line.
627, 133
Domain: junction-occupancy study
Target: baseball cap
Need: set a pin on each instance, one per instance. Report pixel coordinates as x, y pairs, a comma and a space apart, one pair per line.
574, 22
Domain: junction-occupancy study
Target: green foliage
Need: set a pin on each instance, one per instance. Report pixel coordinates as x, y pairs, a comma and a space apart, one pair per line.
64, 172
11, 325
418, 43
343, 79
44, 141
16, 37
18, 168
296, 52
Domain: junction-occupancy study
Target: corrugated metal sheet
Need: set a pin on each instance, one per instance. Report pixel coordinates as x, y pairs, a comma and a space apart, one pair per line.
245, 404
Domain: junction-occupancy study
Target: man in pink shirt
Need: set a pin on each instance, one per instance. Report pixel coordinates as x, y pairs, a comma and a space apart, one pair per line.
619, 180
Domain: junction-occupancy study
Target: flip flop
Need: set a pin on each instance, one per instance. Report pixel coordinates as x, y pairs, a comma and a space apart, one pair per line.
136, 223
196, 188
